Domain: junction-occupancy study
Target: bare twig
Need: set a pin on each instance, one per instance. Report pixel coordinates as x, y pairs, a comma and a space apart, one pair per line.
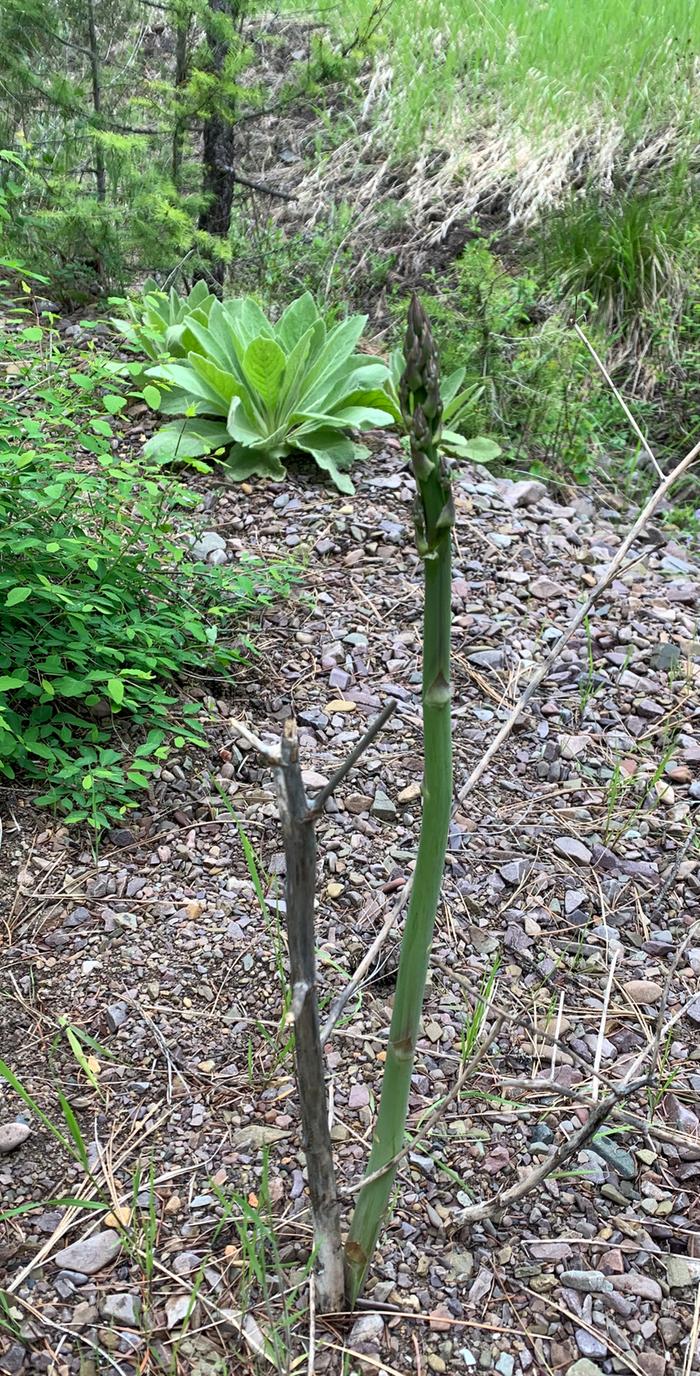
262, 187
366, 963
642, 520
270, 753
491, 1208
620, 399
372, 730
601, 1031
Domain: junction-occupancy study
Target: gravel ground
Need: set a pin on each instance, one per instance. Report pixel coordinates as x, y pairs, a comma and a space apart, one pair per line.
571, 893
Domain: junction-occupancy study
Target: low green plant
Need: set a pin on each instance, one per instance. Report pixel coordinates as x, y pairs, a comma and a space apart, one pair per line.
265, 1284
527, 378
103, 614
156, 322
261, 392
459, 406
622, 253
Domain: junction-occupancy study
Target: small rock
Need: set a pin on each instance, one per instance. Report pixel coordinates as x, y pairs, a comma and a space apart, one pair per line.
206, 543
515, 871
121, 837
358, 1097
589, 1345
643, 991
311, 779
461, 1263
634, 1283
186, 1262
584, 1367
122, 1308
357, 803
505, 1364
550, 1251
12, 1361
573, 746
542, 1133
382, 807
571, 849
693, 1010
612, 1262
652, 1363
178, 1308
665, 656
117, 1014
440, 1319
671, 1332
91, 1254
545, 589
410, 793
574, 899
588, 1283
678, 1273
12, 1135
84, 1313
366, 1334
77, 917
614, 1155
486, 659
527, 492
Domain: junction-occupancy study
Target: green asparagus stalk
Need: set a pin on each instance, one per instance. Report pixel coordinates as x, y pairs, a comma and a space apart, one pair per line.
421, 408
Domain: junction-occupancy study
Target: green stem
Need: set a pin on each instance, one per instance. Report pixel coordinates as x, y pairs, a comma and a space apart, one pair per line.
435, 522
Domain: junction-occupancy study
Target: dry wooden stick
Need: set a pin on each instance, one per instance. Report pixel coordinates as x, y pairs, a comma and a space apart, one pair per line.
642, 520
300, 854
490, 1208
620, 399
372, 730
269, 752
365, 964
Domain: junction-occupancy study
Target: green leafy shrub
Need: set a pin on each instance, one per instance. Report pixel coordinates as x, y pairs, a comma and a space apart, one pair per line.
262, 391
103, 614
630, 265
529, 379
624, 253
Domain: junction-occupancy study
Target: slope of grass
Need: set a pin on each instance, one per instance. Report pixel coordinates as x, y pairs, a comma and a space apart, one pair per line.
561, 60
536, 93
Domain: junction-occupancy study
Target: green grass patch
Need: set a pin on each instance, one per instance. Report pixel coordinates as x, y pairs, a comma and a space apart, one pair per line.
587, 70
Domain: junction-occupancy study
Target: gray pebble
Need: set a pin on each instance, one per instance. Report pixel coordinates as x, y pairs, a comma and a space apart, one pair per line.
12, 1135
588, 1282
122, 1308
91, 1254
117, 1014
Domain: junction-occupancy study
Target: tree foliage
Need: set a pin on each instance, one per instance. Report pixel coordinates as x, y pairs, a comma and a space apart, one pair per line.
119, 123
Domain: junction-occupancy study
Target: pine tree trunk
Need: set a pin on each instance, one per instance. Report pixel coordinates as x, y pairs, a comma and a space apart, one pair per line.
218, 147
182, 27
100, 171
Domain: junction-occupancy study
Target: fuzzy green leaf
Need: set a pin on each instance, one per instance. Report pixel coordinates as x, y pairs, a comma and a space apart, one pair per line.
263, 365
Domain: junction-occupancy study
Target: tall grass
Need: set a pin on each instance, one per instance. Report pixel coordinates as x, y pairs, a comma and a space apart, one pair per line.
605, 60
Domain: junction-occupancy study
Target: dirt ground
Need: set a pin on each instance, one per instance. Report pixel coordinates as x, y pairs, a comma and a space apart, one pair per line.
571, 909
